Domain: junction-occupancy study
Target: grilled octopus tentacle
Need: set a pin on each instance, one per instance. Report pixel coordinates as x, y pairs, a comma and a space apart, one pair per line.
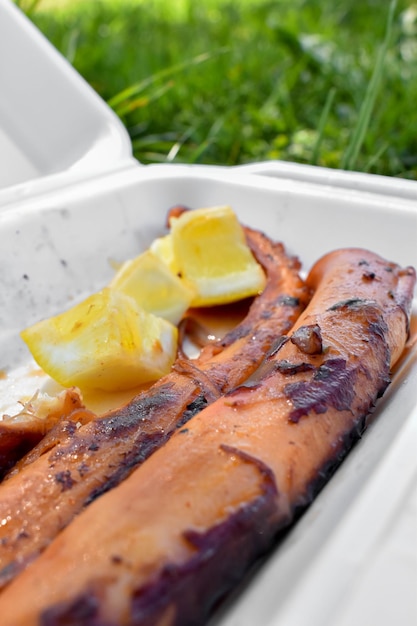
56, 481
184, 527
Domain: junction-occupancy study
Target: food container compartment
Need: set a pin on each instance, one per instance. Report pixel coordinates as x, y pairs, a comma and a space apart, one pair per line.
352, 555
72, 204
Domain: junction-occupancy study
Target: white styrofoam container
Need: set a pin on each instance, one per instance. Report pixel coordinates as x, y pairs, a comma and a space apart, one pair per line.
72, 200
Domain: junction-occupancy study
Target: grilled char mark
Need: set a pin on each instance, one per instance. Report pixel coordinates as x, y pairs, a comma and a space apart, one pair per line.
21, 433
13, 446
101, 454
143, 445
333, 382
330, 386
82, 612
63, 430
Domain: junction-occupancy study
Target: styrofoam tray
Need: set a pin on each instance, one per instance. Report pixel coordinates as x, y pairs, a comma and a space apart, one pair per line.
77, 203
352, 556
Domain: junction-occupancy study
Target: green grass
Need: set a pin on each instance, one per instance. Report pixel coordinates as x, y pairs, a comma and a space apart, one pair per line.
330, 82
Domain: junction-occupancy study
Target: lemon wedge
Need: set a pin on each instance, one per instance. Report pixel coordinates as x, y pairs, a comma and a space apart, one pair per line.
150, 281
162, 248
212, 255
105, 342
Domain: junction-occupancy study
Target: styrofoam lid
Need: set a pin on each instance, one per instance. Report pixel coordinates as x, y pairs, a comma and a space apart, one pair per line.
51, 120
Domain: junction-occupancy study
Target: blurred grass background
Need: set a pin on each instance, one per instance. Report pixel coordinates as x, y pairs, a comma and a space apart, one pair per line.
328, 82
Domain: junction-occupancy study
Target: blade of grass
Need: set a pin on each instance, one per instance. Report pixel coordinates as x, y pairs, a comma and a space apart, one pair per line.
204, 145
137, 88
375, 158
142, 101
351, 154
322, 124
178, 144
72, 45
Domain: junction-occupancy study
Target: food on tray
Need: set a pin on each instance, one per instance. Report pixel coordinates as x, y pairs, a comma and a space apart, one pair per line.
59, 480
120, 338
167, 543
